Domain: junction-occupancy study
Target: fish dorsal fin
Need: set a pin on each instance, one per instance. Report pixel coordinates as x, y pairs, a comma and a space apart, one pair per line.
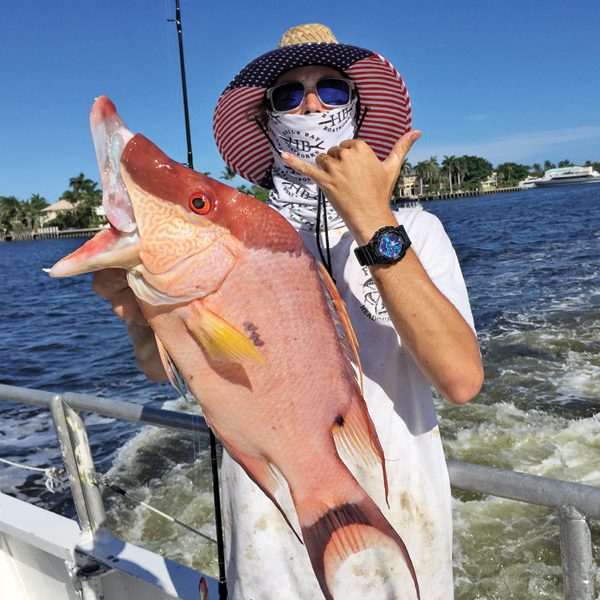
171, 370
220, 339
340, 313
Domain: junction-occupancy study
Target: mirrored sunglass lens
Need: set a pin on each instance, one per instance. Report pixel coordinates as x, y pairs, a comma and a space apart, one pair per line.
287, 96
334, 92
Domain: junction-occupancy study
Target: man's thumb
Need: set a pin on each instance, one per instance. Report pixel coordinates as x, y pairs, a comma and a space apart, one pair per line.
400, 150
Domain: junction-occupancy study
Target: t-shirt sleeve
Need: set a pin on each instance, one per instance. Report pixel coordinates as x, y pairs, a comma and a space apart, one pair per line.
436, 253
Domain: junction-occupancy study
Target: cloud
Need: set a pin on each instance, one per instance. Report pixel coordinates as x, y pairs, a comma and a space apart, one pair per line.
517, 147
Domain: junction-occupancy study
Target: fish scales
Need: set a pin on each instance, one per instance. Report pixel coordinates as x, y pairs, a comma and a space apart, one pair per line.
297, 338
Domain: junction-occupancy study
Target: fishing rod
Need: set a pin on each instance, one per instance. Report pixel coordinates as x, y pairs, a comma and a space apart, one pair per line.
213, 441
186, 113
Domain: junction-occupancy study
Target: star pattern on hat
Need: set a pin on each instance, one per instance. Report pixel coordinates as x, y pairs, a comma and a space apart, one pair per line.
264, 70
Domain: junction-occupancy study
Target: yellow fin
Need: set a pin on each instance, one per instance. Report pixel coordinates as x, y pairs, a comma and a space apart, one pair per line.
220, 339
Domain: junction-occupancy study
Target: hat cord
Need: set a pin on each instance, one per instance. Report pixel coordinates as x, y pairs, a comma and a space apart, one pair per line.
322, 207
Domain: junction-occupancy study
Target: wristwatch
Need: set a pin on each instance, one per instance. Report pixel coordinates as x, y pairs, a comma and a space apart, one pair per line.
387, 246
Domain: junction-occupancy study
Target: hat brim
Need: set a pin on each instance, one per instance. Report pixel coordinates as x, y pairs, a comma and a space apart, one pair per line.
243, 145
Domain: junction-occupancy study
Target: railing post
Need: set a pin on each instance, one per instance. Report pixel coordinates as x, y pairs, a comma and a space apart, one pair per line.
576, 554
79, 464
77, 457
68, 454
87, 470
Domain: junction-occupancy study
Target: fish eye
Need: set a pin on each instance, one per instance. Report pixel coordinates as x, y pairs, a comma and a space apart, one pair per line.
199, 204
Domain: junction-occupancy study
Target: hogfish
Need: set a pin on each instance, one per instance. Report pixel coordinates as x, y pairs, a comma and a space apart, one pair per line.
255, 327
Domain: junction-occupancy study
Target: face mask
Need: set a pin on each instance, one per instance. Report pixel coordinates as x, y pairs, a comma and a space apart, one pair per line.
306, 136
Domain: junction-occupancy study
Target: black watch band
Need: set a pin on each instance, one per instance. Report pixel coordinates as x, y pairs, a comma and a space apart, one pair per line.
387, 246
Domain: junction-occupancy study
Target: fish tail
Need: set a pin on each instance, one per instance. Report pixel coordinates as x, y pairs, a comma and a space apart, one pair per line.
347, 529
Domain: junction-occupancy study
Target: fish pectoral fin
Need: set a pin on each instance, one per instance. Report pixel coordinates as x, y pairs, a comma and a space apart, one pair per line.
356, 440
175, 378
220, 339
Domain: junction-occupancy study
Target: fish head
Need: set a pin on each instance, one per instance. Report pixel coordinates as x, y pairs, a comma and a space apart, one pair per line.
175, 205
178, 230
185, 248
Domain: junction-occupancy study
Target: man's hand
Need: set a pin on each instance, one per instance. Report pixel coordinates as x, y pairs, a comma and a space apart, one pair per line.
111, 284
357, 183
359, 186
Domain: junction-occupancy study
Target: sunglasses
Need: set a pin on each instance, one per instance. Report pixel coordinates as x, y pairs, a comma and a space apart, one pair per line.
331, 91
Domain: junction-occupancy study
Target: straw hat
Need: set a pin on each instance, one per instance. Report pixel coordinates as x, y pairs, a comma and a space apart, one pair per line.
243, 145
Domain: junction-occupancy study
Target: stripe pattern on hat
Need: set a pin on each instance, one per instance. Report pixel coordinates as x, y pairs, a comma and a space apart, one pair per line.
245, 148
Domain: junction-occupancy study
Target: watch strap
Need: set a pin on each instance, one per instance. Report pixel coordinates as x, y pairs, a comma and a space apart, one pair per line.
365, 255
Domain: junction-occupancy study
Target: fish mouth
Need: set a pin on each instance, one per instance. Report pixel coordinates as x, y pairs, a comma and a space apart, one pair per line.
117, 246
110, 137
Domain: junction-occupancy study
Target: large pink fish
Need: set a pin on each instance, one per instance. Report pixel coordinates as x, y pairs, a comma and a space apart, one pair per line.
243, 313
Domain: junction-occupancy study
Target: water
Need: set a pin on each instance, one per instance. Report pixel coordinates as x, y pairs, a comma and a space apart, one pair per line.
531, 261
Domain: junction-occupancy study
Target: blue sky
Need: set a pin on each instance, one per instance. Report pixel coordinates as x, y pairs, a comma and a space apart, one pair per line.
507, 80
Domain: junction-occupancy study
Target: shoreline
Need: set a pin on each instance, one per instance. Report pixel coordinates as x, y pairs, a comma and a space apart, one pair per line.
45, 233
456, 195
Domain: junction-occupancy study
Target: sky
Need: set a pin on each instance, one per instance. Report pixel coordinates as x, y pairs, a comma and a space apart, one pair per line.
509, 80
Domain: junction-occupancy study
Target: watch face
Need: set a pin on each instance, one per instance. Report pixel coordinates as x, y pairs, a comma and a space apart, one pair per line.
391, 244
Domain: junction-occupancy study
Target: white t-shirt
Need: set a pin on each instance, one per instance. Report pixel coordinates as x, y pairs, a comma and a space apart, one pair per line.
265, 560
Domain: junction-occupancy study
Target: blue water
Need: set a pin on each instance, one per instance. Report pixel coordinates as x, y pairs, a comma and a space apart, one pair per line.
57, 335
531, 261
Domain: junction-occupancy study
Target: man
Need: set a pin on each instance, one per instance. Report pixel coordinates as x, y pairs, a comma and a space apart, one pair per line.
289, 121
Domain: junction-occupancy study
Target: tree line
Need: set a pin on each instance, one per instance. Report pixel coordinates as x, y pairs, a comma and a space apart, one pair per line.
83, 194
454, 173
465, 173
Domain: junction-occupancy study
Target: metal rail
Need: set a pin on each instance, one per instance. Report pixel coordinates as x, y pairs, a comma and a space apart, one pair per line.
574, 503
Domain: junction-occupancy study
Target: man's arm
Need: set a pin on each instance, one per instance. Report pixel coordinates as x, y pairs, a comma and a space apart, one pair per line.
111, 284
441, 342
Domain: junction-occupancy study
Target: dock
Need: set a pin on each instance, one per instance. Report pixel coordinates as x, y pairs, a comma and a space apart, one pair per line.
46, 233
446, 195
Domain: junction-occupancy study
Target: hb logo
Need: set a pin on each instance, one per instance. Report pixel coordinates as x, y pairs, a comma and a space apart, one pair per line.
303, 145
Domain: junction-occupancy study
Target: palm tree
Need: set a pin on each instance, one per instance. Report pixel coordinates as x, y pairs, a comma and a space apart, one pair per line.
421, 174
406, 170
9, 210
35, 205
228, 173
449, 163
536, 169
433, 171
462, 169
82, 184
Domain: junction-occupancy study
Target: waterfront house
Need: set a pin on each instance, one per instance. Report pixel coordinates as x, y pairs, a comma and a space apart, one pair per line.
52, 211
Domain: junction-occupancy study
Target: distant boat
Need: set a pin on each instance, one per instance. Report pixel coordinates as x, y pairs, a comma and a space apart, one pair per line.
563, 176
529, 182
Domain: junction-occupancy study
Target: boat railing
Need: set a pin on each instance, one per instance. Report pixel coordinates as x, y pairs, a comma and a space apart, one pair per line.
574, 504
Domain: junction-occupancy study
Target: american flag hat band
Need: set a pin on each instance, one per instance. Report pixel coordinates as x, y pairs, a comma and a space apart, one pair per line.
244, 147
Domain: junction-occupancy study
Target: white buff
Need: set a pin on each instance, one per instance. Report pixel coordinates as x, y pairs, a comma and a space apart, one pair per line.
305, 136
